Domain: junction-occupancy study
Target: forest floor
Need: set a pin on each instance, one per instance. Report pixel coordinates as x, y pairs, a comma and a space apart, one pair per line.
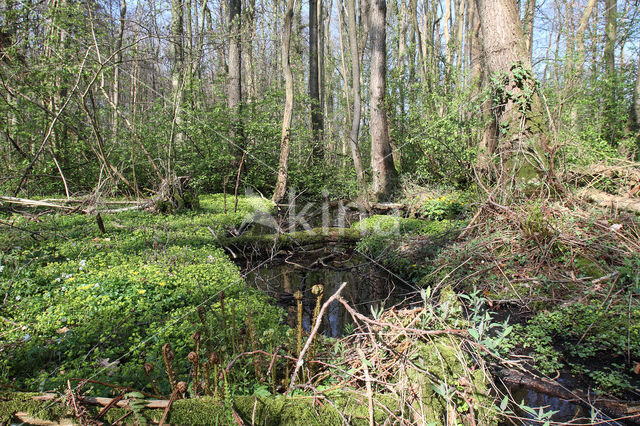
549, 289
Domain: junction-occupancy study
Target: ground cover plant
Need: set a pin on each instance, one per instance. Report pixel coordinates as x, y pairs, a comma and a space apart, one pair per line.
79, 303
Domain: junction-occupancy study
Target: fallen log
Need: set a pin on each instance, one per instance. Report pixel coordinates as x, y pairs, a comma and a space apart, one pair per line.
61, 205
33, 203
49, 409
603, 199
97, 400
267, 243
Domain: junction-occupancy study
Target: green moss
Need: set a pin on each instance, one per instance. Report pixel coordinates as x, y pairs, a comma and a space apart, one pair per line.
589, 267
448, 368
15, 402
278, 410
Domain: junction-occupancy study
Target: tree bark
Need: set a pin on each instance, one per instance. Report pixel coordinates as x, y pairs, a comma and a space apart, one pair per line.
609, 47
383, 169
517, 109
177, 80
577, 57
635, 105
354, 134
285, 139
314, 85
116, 72
234, 84
529, 14
610, 69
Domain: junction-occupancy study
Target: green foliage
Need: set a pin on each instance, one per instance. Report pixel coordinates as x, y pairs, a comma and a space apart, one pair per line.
518, 86
437, 134
386, 225
448, 206
584, 333
536, 224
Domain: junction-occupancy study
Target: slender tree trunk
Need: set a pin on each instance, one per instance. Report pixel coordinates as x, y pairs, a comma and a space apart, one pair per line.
249, 37
177, 73
314, 85
285, 138
577, 58
611, 29
234, 84
610, 68
460, 36
529, 14
354, 134
635, 105
116, 72
383, 169
446, 34
416, 32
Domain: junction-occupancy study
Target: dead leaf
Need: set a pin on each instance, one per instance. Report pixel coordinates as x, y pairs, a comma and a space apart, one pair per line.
62, 330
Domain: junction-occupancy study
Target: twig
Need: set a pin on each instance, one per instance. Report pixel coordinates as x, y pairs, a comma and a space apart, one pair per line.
110, 405
181, 387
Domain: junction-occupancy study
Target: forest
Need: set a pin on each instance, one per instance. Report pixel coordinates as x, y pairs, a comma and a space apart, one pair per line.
320, 212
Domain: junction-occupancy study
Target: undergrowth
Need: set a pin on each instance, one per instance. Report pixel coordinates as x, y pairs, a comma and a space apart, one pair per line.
567, 277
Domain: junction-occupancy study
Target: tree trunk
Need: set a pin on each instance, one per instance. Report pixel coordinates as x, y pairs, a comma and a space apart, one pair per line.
577, 58
249, 39
116, 72
383, 169
528, 24
285, 139
314, 85
610, 69
635, 105
234, 95
354, 134
177, 70
459, 37
609, 48
516, 108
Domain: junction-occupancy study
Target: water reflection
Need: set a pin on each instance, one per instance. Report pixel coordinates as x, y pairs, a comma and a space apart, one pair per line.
566, 412
368, 286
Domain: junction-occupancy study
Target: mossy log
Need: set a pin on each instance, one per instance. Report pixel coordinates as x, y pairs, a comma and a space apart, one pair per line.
279, 410
272, 242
